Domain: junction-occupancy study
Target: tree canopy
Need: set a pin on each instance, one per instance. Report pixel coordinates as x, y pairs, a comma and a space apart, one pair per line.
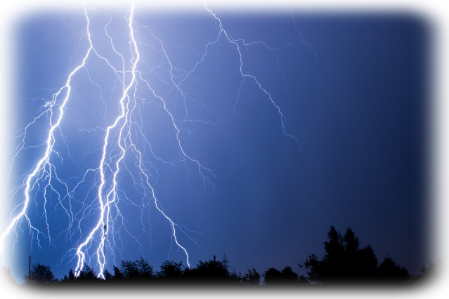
344, 261
40, 274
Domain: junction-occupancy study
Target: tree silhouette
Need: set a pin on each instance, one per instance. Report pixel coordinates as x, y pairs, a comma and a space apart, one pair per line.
87, 274
343, 260
391, 272
273, 277
71, 275
136, 270
118, 275
288, 275
210, 272
252, 278
40, 274
107, 275
170, 271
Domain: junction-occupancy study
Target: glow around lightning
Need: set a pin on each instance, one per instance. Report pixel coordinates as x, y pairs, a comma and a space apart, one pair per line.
123, 138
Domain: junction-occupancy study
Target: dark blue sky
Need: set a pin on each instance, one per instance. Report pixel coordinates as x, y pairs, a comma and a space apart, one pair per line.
352, 89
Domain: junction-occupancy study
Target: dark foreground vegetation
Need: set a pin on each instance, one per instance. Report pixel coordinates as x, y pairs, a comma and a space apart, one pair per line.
344, 263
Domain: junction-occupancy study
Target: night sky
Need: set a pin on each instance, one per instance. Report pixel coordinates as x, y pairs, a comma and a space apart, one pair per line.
352, 92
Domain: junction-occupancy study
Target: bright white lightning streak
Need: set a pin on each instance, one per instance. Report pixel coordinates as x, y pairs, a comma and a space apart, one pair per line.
106, 194
104, 200
104, 206
45, 160
124, 113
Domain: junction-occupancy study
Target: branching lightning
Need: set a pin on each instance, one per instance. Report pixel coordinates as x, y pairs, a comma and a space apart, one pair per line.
95, 225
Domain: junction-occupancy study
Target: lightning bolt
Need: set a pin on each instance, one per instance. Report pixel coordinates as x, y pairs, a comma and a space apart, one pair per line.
123, 139
43, 166
124, 142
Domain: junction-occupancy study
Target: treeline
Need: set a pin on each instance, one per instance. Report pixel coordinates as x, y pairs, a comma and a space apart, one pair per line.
343, 262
